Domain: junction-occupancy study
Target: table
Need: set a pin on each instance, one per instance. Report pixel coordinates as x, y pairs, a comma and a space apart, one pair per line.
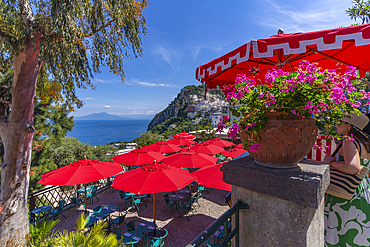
146, 227
108, 210
131, 237
184, 191
82, 190
95, 217
41, 209
178, 198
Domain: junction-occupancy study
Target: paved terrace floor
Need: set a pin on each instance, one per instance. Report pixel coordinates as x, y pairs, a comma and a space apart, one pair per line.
180, 230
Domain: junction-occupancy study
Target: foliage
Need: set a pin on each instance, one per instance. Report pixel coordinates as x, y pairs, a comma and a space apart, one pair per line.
97, 236
41, 234
75, 39
208, 133
148, 138
51, 126
360, 10
72, 150
310, 92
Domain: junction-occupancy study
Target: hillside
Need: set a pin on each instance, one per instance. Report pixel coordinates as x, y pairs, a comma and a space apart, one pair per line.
177, 109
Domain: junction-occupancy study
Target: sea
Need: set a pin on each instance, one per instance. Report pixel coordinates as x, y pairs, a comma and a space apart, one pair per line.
101, 132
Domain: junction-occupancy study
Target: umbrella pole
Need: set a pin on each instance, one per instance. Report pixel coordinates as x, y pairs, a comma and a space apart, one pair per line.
85, 199
154, 206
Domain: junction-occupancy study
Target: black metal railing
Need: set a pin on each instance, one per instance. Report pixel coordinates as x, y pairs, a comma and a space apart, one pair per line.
53, 194
223, 220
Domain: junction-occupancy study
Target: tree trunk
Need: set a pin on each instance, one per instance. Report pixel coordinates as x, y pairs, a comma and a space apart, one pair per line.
16, 132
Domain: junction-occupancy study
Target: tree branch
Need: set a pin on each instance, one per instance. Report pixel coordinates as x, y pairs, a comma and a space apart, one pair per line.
7, 39
99, 29
26, 11
5, 90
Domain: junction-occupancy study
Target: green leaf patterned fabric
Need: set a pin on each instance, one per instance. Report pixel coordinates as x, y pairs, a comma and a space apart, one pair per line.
347, 222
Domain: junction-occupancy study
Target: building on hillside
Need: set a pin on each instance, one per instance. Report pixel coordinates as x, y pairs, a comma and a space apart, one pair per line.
191, 111
129, 147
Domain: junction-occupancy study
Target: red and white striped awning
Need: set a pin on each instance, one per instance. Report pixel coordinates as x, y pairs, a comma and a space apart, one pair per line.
331, 49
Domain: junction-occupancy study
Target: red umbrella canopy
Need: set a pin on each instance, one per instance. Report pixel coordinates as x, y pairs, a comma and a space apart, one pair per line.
80, 172
234, 152
329, 48
220, 142
239, 145
205, 148
211, 176
181, 141
184, 135
138, 157
189, 159
162, 147
153, 178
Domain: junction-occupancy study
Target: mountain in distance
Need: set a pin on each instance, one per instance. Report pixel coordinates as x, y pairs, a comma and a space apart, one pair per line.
108, 116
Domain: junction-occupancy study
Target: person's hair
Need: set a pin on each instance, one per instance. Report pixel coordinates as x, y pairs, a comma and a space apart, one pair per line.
360, 137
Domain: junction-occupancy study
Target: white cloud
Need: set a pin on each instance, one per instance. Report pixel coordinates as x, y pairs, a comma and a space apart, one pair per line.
135, 81
318, 15
107, 107
114, 81
210, 46
168, 55
87, 98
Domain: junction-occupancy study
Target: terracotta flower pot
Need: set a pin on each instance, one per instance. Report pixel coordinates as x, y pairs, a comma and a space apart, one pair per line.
283, 142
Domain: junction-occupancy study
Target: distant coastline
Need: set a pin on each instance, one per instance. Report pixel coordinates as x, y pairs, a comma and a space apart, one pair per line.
100, 132
108, 116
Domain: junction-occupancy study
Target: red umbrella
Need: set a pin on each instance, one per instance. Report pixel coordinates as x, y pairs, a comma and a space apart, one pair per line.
234, 152
220, 142
240, 145
162, 147
181, 141
329, 48
206, 148
80, 172
184, 135
153, 178
138, 157
189, 159
211, 176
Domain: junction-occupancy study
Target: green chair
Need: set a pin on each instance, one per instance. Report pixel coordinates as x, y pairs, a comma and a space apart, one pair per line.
124, 198
159, 240
201, 190
196, 198
117, 221
187, 207
98, 209
31, 220
169, 203
131, 226
137, 201
58, 210
75, 202
90, 195
118, 234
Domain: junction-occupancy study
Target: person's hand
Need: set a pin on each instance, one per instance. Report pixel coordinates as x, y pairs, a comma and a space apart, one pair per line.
328, 158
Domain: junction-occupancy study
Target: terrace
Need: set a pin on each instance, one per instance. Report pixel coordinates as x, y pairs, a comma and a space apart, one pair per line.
180, 230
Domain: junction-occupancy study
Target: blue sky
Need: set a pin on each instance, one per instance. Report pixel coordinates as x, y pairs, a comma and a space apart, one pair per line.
185, 34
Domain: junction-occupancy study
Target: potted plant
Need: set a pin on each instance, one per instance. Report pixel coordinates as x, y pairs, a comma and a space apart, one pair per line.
280, 117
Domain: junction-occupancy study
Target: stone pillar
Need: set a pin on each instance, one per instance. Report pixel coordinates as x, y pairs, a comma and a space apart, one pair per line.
286, 206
